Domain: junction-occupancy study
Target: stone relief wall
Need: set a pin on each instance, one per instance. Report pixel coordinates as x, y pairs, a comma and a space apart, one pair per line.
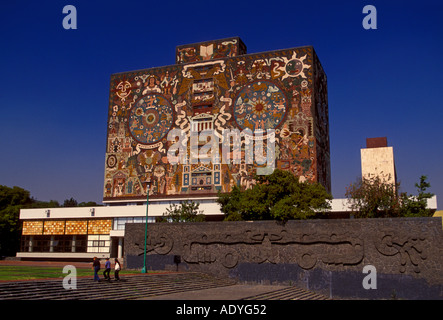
327, 256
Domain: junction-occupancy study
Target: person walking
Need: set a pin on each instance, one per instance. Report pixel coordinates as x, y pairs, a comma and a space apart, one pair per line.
107, 269
117, 268
96, 268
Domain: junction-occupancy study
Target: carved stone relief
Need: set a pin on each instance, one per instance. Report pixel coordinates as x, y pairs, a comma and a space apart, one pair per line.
402, 246
260, 246
410, 247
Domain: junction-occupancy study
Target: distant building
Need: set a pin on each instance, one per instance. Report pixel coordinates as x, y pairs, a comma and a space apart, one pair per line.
377, 160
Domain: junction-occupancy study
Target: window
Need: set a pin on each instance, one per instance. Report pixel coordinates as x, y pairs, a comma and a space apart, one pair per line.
62, 243
119, 223
41, 244
81, 243
139, 219
25, 243
99, 243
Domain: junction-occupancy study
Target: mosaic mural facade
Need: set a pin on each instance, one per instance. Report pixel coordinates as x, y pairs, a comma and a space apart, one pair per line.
216, 87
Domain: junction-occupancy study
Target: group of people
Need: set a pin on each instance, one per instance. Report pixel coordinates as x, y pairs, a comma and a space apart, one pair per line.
96, 267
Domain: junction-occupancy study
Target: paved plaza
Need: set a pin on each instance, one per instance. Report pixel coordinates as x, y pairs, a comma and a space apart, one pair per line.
161, 286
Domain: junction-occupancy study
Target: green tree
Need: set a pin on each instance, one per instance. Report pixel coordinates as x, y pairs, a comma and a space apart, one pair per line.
187, 211
89, 204
230, 204
70, 203
416, 206
43, 204
11, 201
373, 197
278, 196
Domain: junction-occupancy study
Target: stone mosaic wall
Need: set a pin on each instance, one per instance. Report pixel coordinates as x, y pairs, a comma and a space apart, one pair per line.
209, 50
327, 256
216, 86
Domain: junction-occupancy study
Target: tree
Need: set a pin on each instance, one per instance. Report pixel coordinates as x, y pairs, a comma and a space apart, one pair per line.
70, 203
89, 204
278, 196
43, 204
73, 203
230, 204
11, 201
373, 197
416, 206
187, 211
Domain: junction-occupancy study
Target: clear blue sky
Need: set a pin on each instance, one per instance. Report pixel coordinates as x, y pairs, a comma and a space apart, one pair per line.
54, 83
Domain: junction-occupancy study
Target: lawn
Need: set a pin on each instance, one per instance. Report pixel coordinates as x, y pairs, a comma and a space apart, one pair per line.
9, 273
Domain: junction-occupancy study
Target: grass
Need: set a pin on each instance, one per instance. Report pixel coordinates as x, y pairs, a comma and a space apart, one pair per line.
10, 273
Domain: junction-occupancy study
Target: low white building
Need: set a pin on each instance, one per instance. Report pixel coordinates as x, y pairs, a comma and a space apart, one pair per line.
85, 232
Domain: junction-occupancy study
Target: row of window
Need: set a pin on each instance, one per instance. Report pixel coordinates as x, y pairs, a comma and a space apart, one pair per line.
119, 223
99, 243
77, 243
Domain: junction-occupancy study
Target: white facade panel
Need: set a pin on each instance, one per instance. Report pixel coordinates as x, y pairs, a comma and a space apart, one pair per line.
337, 205
155, 210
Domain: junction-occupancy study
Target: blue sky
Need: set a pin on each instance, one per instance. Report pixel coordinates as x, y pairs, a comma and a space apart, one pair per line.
54, 84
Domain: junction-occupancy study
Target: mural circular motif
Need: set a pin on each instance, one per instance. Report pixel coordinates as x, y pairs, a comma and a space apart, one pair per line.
150, 119
111, 161
260, 105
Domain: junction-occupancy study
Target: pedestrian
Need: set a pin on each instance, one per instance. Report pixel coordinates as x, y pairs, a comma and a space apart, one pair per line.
107, 269
96, 268
117, 268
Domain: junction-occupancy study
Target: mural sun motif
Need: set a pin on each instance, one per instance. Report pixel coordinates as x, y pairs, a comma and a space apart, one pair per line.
295, 66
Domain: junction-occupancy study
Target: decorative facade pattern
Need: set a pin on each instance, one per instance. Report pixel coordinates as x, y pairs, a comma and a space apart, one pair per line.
31, 227
54, 227
67, 227
99, 226
76, 227
215, 86
210, 50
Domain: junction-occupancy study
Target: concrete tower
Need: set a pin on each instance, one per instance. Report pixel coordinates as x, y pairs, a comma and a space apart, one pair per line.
377, 159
